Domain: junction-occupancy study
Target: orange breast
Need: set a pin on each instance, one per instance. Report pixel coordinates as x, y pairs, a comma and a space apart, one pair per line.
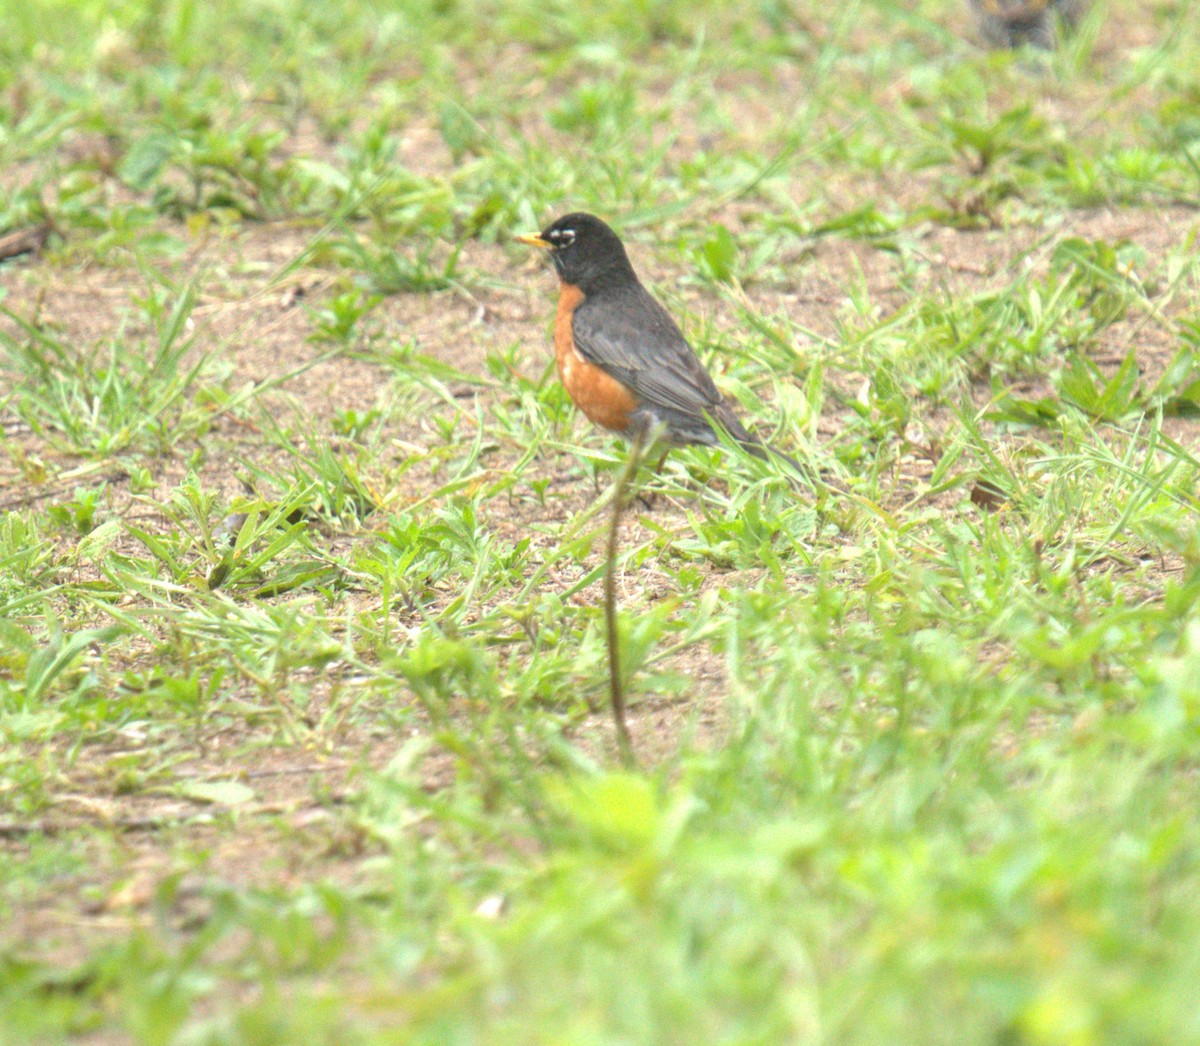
604, 400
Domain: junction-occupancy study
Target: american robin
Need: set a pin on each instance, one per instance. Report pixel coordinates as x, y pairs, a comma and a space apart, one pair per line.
621, 357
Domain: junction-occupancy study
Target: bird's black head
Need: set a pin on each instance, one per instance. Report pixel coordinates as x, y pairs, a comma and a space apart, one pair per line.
585, 251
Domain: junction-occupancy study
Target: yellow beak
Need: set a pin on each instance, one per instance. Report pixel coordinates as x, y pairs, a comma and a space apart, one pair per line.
534, 240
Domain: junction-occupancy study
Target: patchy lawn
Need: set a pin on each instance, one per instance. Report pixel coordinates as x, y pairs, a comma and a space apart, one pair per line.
303, 676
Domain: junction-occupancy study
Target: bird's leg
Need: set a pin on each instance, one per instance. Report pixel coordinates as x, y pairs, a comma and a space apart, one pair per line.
642, 449
647, 499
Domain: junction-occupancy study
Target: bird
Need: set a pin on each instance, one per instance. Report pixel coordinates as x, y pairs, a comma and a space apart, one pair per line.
1010, 23
621, 357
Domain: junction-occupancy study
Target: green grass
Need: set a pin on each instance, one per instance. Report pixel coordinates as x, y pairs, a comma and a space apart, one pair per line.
303, 677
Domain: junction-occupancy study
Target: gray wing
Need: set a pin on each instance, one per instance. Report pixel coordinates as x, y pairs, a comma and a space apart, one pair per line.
640, 345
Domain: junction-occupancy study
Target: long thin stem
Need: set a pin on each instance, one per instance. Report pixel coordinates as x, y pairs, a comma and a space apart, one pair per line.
616, 686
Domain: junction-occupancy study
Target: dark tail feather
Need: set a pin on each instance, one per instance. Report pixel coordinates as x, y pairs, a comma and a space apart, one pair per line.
805, 475
787, 459
764, 452
750, 443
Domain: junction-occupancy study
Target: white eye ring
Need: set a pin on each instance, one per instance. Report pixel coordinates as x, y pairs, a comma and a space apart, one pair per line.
567, 236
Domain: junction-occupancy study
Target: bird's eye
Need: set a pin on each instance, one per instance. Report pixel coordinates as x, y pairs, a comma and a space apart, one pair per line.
563, 237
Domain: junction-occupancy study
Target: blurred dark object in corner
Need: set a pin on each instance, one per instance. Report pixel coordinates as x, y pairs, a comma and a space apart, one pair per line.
24, 241
1011, 23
